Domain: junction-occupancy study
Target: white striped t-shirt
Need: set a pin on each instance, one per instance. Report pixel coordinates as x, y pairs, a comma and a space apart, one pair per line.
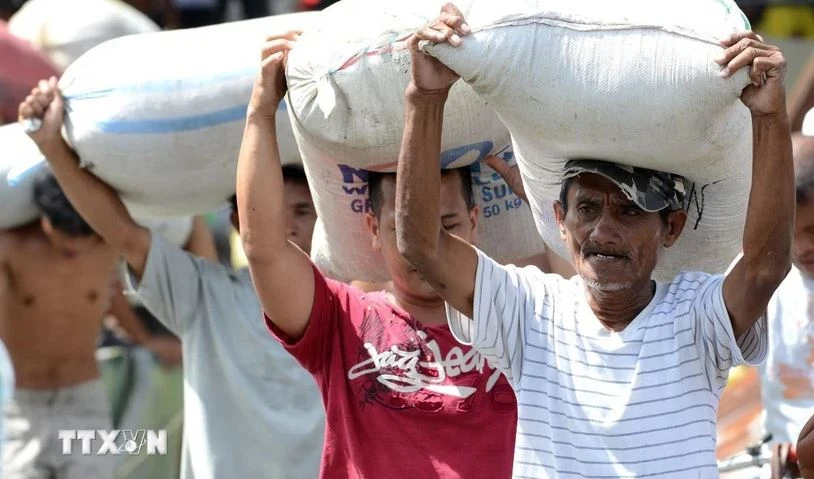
600, 404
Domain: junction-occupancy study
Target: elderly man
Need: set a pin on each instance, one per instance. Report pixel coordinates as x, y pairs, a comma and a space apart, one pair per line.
615, 375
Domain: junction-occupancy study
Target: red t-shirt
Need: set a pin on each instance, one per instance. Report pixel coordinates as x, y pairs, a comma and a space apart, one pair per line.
402, 400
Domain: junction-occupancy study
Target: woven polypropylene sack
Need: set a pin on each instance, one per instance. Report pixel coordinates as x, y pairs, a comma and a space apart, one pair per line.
160, 116
629, 81
65, 30
21, 163
347, 77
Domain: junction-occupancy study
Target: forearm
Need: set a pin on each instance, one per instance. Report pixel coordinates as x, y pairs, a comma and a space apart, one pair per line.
97, 202
260, 191
801, 99
418, 218
770, 215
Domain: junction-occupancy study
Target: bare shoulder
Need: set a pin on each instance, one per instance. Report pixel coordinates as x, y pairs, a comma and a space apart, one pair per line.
15, 240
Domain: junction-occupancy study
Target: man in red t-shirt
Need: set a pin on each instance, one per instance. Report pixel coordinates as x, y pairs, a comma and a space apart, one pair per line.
403, 399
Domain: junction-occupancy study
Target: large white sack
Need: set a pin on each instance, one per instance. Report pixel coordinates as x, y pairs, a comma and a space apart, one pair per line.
346, 80
66, 29
175, 230
160, 116
20, 164
631, 81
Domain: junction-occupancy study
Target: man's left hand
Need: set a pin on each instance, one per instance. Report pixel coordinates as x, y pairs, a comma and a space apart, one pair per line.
766, 95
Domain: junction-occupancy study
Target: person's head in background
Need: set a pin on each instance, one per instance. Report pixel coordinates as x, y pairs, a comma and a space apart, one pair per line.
803, 245
63, 226
300, 214
459, 216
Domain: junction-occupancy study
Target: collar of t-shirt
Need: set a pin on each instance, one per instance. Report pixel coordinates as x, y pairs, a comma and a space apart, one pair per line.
594, 328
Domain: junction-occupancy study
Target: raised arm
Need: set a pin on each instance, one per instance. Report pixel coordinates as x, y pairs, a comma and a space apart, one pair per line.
447, 262
92, 198
770, 215
283, 274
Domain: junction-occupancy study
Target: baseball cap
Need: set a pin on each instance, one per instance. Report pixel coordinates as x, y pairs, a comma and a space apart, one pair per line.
651, 190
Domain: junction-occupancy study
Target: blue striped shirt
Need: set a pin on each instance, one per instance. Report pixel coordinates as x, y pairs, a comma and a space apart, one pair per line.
595, 403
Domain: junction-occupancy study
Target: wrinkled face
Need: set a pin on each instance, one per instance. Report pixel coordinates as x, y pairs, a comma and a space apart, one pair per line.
300, 215
455, 218
614, 244
803, 246
69, 245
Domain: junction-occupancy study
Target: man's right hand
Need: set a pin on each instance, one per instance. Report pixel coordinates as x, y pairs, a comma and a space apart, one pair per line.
430, 75
270, 87
45, 104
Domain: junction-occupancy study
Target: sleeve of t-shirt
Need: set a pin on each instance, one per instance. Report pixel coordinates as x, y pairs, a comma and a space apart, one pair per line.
503, 308
714, 335
174, 284
313, 350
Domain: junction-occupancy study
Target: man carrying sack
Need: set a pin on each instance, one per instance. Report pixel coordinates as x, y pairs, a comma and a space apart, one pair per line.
616, 375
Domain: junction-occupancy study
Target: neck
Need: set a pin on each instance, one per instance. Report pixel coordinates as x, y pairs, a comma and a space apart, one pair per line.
430, 312
615, 309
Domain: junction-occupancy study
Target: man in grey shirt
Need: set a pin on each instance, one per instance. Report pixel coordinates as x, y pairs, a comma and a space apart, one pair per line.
250, 410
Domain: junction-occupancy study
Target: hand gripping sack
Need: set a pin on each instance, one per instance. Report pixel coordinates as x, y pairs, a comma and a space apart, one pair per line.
630, 81
346, 80
65, 30
160, 116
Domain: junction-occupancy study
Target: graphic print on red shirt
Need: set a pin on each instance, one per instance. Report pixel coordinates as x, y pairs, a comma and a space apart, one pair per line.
402, 399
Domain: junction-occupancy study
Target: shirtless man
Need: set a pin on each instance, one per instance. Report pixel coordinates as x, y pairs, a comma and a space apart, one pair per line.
56, 285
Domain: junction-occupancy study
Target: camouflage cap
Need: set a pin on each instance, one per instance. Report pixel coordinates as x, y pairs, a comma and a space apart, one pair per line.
651, 190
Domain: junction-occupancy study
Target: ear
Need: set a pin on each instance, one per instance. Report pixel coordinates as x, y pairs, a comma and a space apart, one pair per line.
474, 220
675, 225
372, 224
559, 215
46, 225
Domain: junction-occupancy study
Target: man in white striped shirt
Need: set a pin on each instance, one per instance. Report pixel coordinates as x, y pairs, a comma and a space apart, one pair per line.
615, 375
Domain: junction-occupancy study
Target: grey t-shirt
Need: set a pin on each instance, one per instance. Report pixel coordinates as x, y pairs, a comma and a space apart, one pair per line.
250, 410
